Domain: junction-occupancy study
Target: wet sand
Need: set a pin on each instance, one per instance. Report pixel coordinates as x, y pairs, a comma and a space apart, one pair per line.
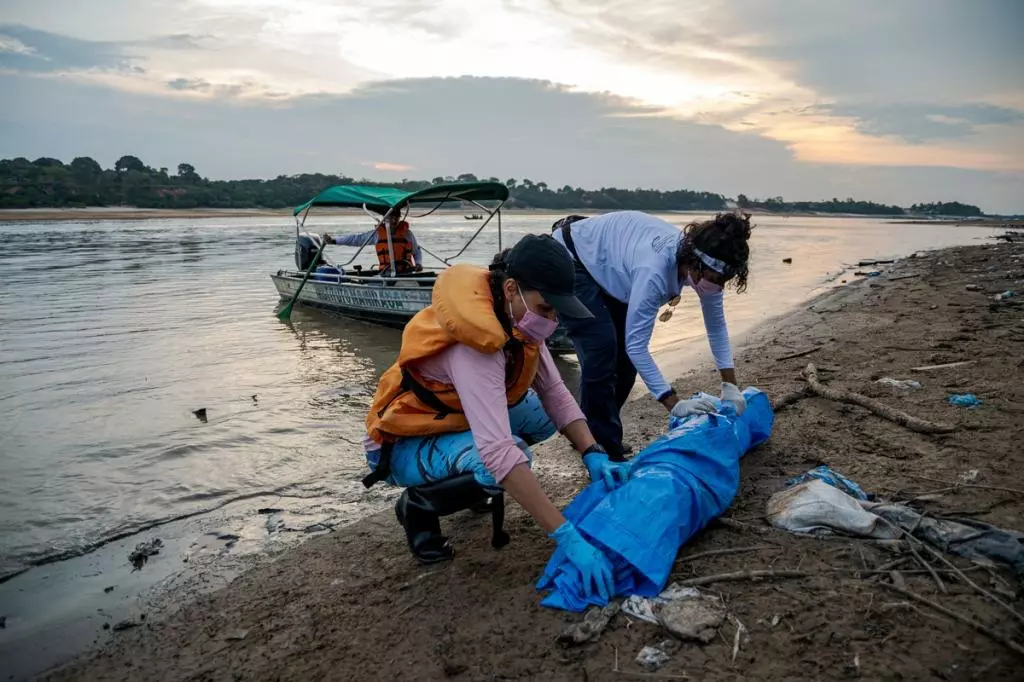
353, 605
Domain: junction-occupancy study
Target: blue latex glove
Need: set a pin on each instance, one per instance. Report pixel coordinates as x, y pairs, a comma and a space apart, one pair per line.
595, 569
601, 468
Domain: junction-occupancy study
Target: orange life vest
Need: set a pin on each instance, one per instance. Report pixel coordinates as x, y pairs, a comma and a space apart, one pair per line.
461, 311
404, 260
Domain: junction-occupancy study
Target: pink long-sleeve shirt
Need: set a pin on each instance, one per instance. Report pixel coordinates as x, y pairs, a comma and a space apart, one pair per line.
479, 379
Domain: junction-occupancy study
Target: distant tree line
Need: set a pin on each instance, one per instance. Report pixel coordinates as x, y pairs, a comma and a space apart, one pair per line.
947, 208
50, 183
778, 204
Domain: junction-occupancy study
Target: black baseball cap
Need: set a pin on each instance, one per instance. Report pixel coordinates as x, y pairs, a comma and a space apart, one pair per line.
540, 263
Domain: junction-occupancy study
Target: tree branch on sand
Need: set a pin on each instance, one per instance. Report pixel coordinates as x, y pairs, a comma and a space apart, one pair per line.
843, 396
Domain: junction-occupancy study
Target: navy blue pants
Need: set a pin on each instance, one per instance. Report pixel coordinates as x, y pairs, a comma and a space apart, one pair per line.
607, 374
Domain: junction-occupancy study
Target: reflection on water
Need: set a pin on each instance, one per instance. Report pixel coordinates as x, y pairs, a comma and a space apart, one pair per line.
111, 335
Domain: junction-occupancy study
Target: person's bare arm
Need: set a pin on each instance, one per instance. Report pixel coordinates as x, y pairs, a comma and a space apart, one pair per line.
729, 376
523, 486
559, 404
578, 433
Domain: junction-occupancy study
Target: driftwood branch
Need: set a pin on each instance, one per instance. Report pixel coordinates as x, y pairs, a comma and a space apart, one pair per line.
948, 365
651, 676
920, 559
801, 354
953, 485
976, 586
739, 526
787, 399
843, 396
911, 541
743, 575
909, 537
992, 634
730, 550
766, 574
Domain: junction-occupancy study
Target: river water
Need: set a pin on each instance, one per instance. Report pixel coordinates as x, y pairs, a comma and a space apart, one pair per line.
112, 333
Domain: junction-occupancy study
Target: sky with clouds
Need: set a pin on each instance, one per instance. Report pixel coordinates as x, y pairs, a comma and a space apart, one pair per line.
899, 100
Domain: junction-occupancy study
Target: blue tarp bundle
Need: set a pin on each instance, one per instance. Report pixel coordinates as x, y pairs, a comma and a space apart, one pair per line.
676, 485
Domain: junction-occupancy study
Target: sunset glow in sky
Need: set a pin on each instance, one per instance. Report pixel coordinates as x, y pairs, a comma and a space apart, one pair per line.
902, 101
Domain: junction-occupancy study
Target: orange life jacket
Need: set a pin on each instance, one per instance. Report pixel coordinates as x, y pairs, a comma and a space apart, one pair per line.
461, 311
404, 260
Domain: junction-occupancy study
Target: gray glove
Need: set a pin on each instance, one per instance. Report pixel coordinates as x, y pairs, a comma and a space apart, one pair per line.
685, 408
731, 393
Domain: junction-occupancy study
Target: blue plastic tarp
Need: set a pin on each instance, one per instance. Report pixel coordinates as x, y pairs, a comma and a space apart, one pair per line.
676, 486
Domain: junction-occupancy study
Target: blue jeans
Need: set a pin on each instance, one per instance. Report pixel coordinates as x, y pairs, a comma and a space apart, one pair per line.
424, 459
607, 374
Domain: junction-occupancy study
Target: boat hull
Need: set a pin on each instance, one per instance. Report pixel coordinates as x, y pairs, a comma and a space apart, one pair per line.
390, 302
380, 302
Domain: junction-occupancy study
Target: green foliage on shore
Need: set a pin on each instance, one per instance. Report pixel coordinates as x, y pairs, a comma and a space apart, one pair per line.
954, 208
50, 183
778, 204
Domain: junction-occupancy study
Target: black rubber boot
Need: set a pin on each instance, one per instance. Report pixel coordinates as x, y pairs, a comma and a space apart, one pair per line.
420, 508
422, 528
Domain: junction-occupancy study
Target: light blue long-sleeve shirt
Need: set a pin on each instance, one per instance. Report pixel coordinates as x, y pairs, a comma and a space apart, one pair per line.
370, 237
632, 256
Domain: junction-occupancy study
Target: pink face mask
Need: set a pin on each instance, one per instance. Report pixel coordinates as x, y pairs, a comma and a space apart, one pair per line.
534, 327
704, 286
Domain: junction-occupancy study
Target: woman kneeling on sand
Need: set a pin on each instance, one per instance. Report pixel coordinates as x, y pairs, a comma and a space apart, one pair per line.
473, 387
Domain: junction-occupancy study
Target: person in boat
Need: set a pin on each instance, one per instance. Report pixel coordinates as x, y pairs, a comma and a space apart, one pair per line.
474, 386
627, 265
408, 254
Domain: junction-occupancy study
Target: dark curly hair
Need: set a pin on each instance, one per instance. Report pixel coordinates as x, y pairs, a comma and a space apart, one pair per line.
724, 237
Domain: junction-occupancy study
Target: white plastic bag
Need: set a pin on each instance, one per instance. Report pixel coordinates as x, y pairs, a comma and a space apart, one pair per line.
817, 507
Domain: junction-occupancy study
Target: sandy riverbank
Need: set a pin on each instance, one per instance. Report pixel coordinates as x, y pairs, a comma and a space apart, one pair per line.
352, 605
50, 215
129, 213
1009, 223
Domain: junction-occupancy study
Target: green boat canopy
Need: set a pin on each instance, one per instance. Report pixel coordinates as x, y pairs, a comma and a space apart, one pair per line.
381, 199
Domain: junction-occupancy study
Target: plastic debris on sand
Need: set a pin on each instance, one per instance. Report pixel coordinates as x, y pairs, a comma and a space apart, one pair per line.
968, 400
816, 507
899, 383
833, 478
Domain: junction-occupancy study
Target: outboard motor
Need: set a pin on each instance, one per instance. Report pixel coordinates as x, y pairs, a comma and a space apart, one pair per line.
306, 247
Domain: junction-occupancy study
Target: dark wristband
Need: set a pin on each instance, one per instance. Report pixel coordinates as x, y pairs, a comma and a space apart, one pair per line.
592, 449
666, 394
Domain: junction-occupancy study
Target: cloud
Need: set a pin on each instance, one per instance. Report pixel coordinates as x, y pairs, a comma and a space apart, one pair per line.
913, 50
194, 84
39, 51
837, 82
799, 91
184, 64
387, 166
14, 46
446, 126
920, 123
